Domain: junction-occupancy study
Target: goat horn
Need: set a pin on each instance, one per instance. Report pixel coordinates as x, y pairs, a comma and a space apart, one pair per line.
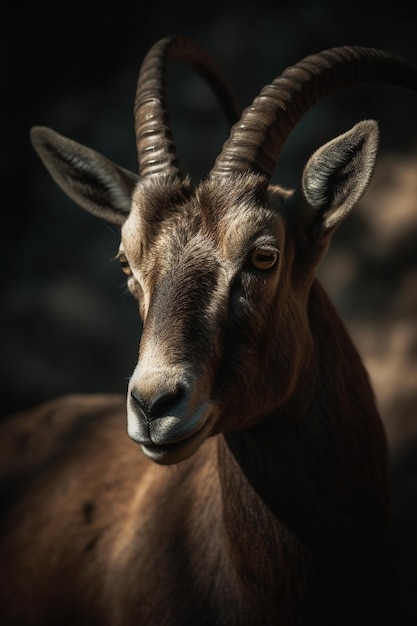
155, 145
256, 140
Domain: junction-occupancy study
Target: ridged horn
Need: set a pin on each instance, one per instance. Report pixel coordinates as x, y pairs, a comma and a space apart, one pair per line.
256, 141
154, 140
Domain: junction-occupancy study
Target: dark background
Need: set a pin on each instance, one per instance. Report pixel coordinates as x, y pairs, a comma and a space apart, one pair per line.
67, 323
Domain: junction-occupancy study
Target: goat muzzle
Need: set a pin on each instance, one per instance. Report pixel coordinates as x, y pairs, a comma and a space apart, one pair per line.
168, 415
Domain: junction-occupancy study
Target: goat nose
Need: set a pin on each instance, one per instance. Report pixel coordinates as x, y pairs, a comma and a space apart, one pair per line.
159, 405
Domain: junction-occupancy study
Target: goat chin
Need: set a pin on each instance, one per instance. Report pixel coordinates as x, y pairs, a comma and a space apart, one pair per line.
180, 450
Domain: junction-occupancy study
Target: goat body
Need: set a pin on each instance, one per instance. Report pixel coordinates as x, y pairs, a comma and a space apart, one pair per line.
267, 498
256, 528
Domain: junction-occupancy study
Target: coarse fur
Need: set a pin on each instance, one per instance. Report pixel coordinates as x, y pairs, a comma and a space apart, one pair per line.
260, 496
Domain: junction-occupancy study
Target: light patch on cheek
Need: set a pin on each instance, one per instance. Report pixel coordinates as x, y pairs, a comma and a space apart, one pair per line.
144, 301
132, 245
132, 241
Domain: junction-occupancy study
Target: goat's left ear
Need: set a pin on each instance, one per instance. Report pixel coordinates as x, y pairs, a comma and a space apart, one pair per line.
336, 176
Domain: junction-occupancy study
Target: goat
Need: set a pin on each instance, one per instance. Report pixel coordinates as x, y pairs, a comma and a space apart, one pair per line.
277, 510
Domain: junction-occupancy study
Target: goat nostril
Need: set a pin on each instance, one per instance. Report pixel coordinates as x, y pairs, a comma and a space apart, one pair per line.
162, 404
158, 406
143, 405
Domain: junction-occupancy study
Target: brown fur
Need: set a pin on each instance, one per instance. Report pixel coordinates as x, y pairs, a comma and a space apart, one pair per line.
273, 508
277, 521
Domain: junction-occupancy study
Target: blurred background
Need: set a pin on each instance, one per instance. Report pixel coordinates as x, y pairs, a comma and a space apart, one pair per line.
67, 323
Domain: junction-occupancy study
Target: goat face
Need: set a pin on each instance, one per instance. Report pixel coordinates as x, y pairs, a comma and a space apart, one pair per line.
222, 275
222, 271
214, 288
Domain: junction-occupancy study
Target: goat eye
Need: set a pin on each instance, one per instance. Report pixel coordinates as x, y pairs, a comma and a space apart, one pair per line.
263, 258
125, 265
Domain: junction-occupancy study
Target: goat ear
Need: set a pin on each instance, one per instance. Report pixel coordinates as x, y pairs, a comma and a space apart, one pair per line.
92, 181
336, 176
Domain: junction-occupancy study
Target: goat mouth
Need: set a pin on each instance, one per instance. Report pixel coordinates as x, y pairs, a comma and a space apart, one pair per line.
177, 451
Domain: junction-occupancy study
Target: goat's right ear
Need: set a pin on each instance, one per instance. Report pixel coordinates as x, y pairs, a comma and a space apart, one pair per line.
92, 181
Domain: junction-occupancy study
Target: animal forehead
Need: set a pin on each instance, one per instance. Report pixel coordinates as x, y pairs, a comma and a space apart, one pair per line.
244, 226
239, 210
227, 217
